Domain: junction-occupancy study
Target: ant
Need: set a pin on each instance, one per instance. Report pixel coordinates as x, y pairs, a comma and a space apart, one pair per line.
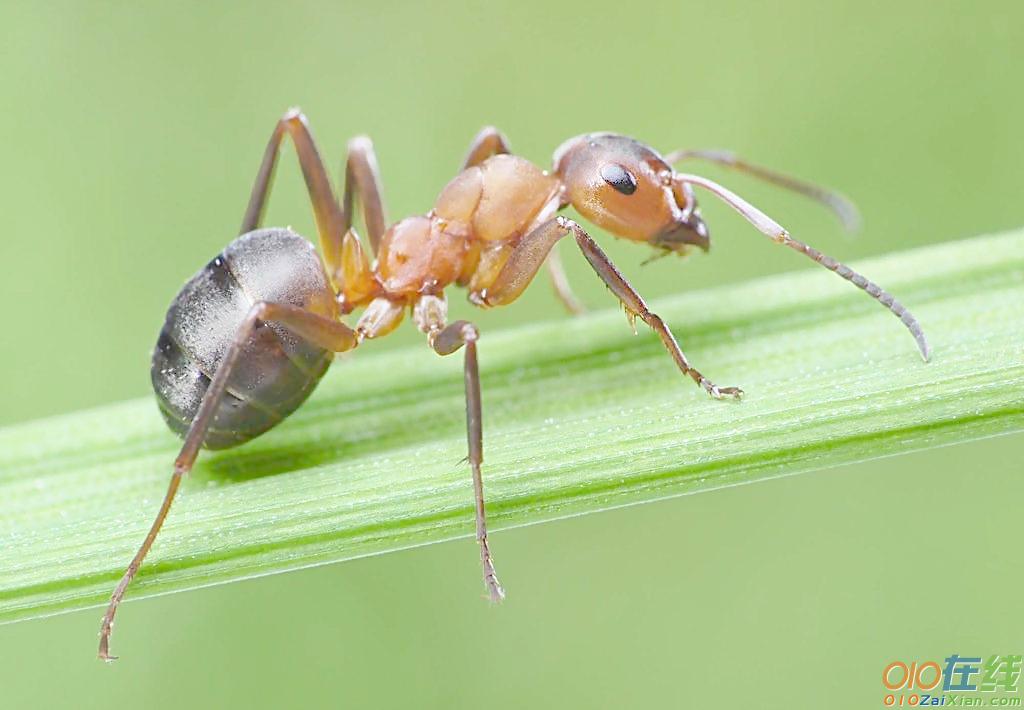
249, 336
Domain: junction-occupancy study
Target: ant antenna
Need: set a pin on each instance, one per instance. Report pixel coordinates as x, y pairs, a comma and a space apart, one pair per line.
769, 227
842, 207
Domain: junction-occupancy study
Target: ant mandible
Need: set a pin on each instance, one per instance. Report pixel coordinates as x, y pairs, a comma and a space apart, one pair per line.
249, 336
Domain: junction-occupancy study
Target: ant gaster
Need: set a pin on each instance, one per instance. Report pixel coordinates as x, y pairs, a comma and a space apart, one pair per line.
249, 336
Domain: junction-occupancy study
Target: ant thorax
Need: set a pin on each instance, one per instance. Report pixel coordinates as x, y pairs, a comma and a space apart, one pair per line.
468, 235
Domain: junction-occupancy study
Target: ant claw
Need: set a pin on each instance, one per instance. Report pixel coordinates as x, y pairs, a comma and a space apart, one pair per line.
723, 392
495, 590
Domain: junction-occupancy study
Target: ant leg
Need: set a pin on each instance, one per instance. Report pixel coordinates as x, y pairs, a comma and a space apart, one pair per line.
635, 306
381, 316
328, 215
327, 333
489, 141
430, 313
362, 176
458, 334
560, 283
842, 207
525, 260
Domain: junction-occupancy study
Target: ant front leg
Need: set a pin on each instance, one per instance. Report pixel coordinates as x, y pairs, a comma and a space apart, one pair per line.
324, 332
525, 260
635, 306
490, 142
329, 221
430, 313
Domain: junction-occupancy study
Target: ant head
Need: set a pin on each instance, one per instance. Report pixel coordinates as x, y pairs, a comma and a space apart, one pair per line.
627, 188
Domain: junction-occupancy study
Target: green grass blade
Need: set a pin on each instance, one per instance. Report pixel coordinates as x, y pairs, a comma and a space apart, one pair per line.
580, 416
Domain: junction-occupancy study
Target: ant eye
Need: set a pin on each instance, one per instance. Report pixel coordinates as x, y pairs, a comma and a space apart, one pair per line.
619, 178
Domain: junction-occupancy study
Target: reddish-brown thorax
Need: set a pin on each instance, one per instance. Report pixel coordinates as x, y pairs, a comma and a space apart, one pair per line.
480, 216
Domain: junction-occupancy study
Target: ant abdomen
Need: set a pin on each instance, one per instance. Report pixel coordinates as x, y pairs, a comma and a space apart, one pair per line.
277, 370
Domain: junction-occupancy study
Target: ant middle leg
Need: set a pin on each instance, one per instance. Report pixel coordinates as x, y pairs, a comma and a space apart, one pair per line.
325, 332
430, 313
525, 260
362, 178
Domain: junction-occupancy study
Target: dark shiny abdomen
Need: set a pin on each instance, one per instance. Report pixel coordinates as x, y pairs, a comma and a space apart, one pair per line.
276, 370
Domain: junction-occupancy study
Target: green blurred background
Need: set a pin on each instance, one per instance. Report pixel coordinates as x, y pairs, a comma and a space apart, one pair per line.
131, 136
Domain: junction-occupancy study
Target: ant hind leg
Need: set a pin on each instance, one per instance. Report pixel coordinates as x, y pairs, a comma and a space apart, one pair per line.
327, 333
